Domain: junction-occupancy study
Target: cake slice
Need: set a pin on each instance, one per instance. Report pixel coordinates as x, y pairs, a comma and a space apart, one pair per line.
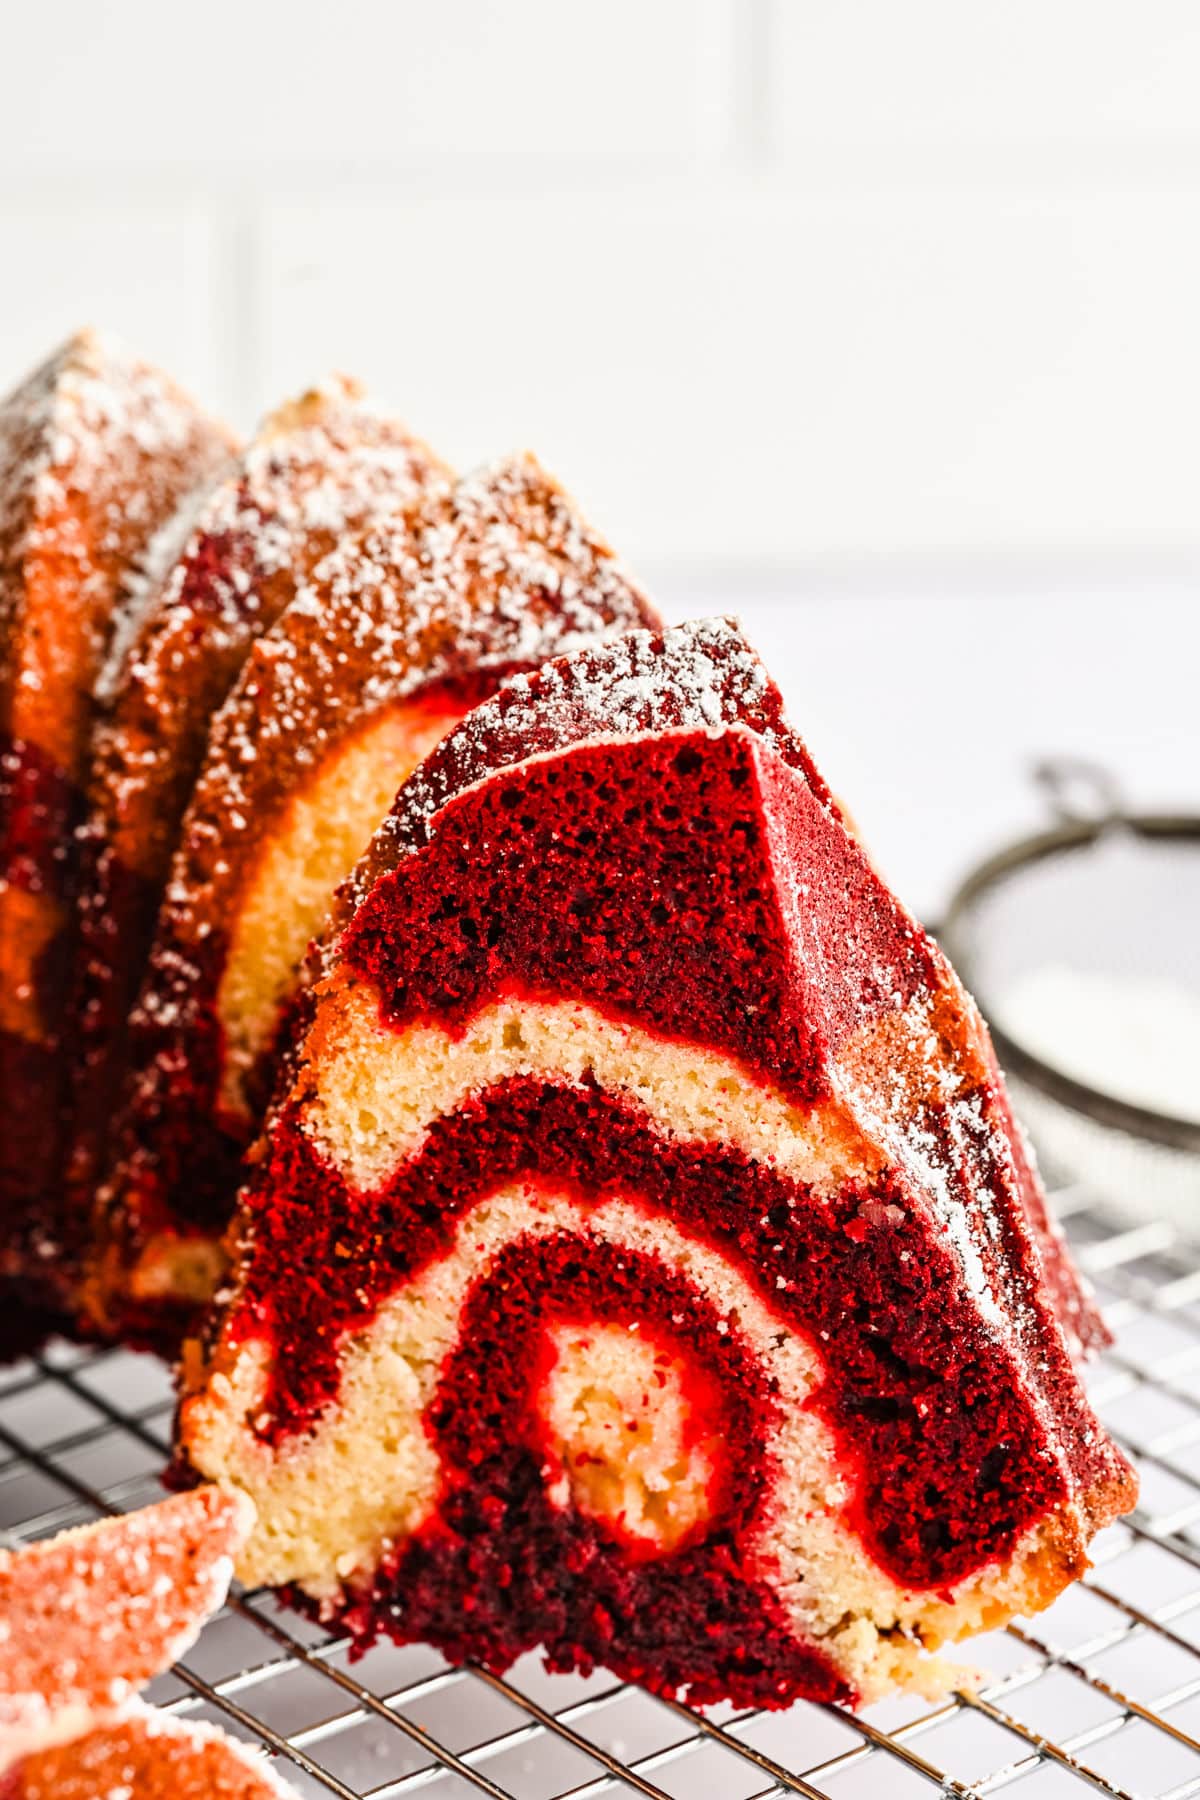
323, 466
401, 629
96, 450
638, 1260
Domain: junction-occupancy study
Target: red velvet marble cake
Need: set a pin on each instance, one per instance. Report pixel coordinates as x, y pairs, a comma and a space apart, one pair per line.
405, 625
323, 467
640, 1258
96, 451
86, 1619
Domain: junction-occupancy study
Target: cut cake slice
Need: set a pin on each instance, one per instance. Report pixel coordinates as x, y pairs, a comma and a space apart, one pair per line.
640, 1259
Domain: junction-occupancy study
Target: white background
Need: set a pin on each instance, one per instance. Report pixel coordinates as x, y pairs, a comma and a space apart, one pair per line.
877, 321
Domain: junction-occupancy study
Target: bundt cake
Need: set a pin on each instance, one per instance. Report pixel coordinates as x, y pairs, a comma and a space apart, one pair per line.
398, 632
97, 450
325, 466
640, 1259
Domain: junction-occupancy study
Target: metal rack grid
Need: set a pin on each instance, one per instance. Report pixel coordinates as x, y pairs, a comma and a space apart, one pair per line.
1099, 1694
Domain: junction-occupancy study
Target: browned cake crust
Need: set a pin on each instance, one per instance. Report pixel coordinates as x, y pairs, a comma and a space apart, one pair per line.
96, 451
399, 633
323, 467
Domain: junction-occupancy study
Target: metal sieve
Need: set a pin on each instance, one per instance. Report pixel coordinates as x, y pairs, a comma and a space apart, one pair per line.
1082, 946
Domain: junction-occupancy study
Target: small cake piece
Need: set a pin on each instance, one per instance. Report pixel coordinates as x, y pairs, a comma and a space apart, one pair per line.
146, 1755
324, 466
86, 1619
96, 451
401, 629
639, 1259
143, 1755
92, 1615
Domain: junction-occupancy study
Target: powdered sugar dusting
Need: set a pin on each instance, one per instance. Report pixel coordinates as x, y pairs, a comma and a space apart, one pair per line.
94, 425
927, 1095
146, 579
498, 572
88, 1617
96, 449
326, 466
485, 576
702, 675
138, 1753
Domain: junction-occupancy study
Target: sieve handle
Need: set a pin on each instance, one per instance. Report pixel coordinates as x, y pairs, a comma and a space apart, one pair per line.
1080, 792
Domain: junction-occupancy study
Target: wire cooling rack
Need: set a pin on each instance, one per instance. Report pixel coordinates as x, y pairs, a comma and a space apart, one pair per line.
1099, 1694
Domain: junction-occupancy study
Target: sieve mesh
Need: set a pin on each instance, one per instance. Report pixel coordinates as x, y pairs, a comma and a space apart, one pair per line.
1081, 947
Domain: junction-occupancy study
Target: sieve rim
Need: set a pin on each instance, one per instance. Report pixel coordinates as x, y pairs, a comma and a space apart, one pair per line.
1072, 835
